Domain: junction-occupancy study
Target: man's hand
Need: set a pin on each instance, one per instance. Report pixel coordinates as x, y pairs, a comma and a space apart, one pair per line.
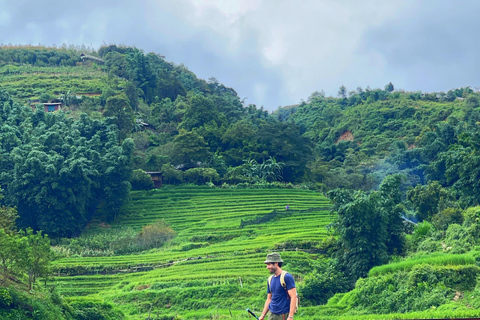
261, 317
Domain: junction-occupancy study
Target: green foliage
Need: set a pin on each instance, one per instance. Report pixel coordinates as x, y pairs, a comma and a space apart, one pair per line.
420, 232
120, 110
323, 282
24, 253
369, 226
57, 179
427, 200
423, 287
448, 216
42, 305
5, 298
440, 259
155, 234
94, 309
36, 256
171, 175
268, 171
8, 216
201, 175
141, 180
190, 150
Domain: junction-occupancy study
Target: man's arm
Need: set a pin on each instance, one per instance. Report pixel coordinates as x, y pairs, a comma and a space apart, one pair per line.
265, 308
293, 301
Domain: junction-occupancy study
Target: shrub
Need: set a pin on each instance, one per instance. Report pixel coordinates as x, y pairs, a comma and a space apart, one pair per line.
5, 297
93, 309
458, 239
443, 219
472, 216
171, 175
201, 175
141, 180
155, 234
421, 231
323, 283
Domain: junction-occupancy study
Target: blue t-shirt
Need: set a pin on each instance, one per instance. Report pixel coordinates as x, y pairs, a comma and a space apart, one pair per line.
280, 303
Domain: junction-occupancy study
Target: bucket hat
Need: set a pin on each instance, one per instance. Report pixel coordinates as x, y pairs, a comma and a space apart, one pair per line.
273, 257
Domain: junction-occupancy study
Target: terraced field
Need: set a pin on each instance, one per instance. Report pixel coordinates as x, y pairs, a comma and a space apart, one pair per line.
29, 82
215, 263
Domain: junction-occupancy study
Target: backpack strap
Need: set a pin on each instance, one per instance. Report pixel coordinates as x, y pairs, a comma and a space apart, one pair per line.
282, 280
269, 282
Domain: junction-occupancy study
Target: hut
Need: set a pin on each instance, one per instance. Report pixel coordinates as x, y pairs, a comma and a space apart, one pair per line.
156, 178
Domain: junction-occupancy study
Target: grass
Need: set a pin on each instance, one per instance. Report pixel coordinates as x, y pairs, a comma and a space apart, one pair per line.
213, 268
29, 82
198, 273
431, 259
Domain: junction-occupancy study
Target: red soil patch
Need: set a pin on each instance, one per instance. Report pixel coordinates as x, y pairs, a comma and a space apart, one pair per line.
346, 136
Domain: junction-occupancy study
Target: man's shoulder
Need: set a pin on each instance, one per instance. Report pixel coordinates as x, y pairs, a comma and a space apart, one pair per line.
289, 281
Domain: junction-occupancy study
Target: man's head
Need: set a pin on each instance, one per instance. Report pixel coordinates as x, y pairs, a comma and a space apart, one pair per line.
273, 262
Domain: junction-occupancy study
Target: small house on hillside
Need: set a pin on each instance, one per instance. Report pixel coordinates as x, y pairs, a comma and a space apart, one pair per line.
156, 178
52, 106
49, 106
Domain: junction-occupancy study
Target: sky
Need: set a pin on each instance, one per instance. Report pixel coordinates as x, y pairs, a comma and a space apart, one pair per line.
273, 52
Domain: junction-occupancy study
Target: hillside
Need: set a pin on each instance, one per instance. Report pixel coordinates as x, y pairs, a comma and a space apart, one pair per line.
383, 188
212, 265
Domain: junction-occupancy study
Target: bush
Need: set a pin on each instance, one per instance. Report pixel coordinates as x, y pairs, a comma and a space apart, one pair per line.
421, 231
95, 310
323, 283
155, 235
171, 175
141, 180
5, 298
201, 175
443, 219
458, 239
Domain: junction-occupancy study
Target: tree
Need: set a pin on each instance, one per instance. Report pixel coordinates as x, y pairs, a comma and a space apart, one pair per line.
391, 195
36, 257
368, 226
389, 87
25, 252
427, 199
190, 150
141, 180
323, 282
119, 109
201, 175
10, 254
362, 231
8, 216
201, 111
342, 92
268, 171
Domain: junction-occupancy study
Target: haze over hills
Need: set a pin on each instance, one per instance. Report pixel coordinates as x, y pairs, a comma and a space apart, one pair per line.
78, 133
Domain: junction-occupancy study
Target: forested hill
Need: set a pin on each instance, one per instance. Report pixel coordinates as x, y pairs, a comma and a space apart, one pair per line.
372, 133
196, 131
80, 128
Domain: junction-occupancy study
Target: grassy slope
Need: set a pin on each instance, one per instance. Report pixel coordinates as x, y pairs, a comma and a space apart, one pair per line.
29, 82
210, 284
197, 277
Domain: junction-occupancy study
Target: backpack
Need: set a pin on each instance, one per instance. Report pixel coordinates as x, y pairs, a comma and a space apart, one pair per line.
284, 285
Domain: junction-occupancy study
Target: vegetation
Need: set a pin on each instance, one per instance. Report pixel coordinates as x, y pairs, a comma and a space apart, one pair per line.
397, 237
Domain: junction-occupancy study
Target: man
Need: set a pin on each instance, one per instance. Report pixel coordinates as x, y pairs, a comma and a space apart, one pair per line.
281, 302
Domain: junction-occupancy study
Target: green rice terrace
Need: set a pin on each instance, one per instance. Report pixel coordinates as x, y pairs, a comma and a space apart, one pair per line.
30, 82
214, 265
